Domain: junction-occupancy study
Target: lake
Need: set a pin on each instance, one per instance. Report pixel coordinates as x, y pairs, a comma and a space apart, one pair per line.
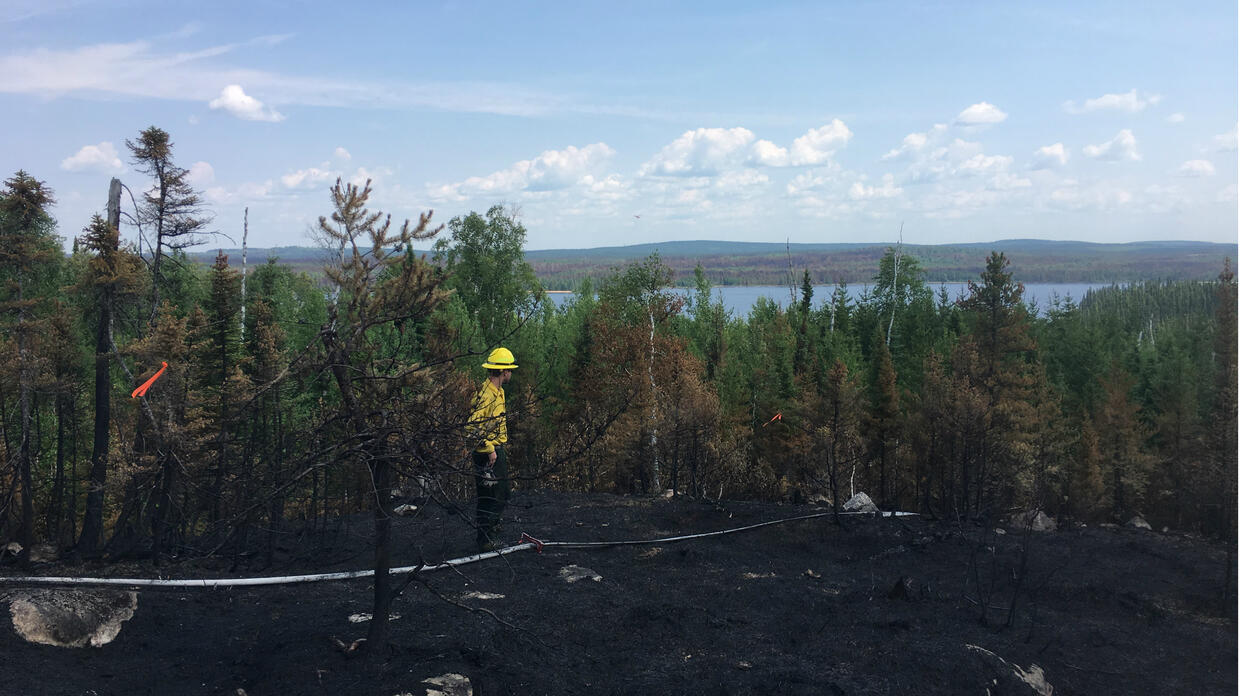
740, 299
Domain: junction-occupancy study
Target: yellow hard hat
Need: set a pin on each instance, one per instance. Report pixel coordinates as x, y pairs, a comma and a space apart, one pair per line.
500, 359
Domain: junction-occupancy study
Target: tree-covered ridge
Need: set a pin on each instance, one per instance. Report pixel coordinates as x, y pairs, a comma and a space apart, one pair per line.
309, 397
751, 263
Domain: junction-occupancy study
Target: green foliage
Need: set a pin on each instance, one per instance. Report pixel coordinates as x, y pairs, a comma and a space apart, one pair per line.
484, 261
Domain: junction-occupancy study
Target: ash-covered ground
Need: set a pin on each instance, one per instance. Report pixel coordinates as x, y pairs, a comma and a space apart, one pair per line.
891, 606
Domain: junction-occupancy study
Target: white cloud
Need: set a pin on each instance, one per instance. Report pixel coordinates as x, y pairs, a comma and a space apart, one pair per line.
221, 195
815, 147
1122, 147
914, 142
201, 175
310, 177
101, 158
235, 101
1050, 157
981, 164
342, 154
1176, 118
137, 69
1225, 142
1196, 168
887, 189
980, 114
1227, 195
701, 152
1131, 101
551, 171
1072, 196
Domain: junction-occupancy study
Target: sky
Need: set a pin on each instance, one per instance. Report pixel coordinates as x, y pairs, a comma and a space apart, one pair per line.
606, 124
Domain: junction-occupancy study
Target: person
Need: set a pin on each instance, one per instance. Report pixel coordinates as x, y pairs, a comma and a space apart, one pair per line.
489, 429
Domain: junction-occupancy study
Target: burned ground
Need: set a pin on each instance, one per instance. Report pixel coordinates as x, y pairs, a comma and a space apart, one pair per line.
874, 607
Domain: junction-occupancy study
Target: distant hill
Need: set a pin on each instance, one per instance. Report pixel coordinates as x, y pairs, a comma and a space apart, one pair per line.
768, 263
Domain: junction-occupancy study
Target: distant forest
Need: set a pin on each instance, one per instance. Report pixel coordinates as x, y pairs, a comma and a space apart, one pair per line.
152, 407
742, 263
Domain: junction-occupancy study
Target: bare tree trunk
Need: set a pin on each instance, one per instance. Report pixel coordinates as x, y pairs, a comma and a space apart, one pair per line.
92, 524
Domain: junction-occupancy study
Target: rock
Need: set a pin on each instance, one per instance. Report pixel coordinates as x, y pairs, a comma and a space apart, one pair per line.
1138, 522
404, 510
819, 500
669, 493
481, 595
449, 685
860, 503
71, 618
757, 576
1035, 520
1009, 678
363, 618
12, 549
813, 575
574, 573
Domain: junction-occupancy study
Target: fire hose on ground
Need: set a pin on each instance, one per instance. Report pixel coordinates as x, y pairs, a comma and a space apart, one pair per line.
526, 542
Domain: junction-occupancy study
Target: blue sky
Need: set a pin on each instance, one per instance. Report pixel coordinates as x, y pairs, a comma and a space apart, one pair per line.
618, 123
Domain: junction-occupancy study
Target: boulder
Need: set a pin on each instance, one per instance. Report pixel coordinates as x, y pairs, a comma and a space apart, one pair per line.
1035, 520
404, 510
1138, 522
860, 503
449, 685
574, 573
1008, 678
71, 618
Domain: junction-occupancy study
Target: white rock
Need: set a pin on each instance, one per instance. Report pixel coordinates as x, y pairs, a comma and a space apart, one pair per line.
71, 618
363, 618
860, 503
449, 685
1011, 678
404, 510
1137, 522
1035, 520
481, 595
574, 573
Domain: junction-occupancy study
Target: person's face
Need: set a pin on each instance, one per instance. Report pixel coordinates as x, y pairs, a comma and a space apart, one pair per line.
504, 376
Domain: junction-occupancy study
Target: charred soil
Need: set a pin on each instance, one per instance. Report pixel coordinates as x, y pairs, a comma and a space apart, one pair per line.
873, 606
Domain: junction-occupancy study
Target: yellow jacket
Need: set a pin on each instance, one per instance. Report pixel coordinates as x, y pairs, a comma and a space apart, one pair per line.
488, 424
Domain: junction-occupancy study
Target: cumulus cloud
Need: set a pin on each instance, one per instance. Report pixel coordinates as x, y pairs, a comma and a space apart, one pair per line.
101, 158
235, 101
1070, 195
1225, 142
1176, 118
550, 171
1122, 147
815, 147
886, 189
1050, 157
702, 152
342, 154
201, 175
1131, 101
310, 177
915, 142
221, 195
1196, 168
980, 114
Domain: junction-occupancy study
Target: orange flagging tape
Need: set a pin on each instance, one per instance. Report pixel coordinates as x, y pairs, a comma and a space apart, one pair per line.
777, 416
141, 391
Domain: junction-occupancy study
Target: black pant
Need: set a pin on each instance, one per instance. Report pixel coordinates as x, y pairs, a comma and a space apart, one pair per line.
493, 498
